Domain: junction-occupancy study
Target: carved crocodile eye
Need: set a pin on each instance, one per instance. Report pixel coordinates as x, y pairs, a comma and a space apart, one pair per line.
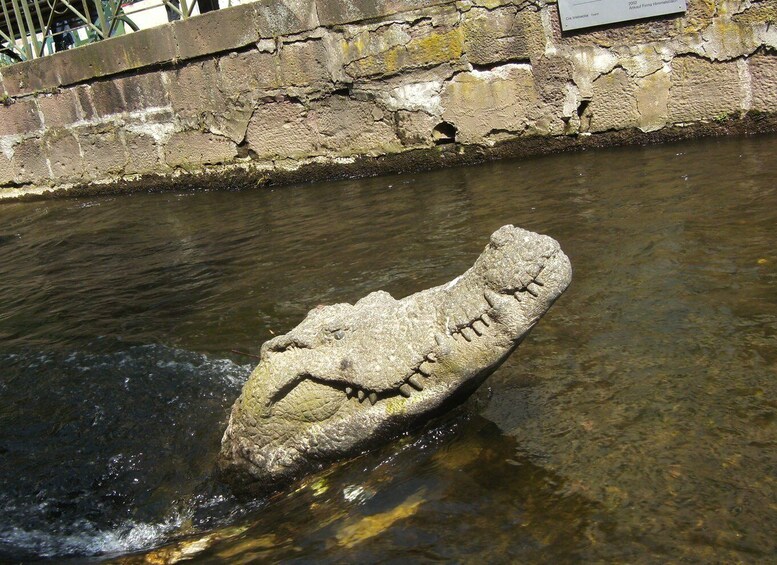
339, 334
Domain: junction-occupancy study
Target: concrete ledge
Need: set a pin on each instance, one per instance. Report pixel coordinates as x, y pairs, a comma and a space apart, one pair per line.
228, 30
112, 56
196, 37
208, 34
33, 76
276, 18
349, 11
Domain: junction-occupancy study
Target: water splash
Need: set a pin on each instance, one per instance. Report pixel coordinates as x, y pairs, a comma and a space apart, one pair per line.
118, 463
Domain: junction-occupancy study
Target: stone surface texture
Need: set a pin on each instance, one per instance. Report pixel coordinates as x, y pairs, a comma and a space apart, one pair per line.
349, 87
350, 377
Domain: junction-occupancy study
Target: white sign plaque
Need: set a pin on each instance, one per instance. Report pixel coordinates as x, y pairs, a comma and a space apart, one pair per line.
576, 14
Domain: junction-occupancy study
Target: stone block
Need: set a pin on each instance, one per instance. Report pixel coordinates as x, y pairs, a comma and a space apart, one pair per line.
64, 154
412, 93
29, 162
285, 17
197, 100
143, 91
232, 123
484, 103
703, 90
551, 73
493, 4
763, 80
142, 153
7, 174
194, 90
361, 42
19, 118
496, 36
642, 60
248, 74
281, 130
32, 76
724, 40
352, 127
428, 46
103, 154
83, 94
652, 99
87, 62
108, 98
193, 148
201, 35
347, 11
613, 105
143, 48
304, 63
756, 13
116, 55
111, 56
59, 109
415, 128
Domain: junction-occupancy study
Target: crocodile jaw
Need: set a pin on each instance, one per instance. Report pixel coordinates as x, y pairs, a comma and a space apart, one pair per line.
283, 425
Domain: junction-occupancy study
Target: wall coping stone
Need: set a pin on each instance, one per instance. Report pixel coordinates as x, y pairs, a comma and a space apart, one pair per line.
195, 37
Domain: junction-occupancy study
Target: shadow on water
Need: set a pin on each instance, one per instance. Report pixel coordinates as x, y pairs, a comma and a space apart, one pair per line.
638, 422
404, 503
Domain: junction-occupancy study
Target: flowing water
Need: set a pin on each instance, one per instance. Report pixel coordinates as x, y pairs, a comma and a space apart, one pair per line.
637, 423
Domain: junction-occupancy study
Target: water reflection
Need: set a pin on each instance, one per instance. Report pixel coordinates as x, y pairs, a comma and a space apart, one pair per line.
639, 419
405, 503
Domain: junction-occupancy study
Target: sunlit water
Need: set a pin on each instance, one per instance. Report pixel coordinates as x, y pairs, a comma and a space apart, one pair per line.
638, 422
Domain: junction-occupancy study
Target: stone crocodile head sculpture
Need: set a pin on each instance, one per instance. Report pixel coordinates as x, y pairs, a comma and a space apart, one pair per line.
350, 377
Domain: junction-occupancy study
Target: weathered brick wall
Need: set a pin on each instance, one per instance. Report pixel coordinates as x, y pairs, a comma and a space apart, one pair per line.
282, 89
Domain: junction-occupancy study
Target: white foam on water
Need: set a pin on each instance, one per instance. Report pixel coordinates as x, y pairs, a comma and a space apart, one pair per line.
129, 537
26, 530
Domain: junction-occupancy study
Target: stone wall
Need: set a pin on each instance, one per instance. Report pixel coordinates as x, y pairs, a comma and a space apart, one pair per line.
286, 90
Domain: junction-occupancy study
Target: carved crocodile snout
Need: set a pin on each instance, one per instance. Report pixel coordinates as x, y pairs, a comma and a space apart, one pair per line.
351, 376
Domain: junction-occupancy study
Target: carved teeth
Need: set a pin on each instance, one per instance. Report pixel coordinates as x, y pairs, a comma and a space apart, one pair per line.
498, 302
406, 390
348, 391
373, 398
533, 291
432, 357
467, 333
415, 382
486, 320
478, 327
424, 370
491, 297
361, 395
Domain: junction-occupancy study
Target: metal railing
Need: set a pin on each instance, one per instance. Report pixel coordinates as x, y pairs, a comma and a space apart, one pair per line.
30, 29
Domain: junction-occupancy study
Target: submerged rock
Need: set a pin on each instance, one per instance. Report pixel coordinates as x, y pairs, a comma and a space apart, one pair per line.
351, 377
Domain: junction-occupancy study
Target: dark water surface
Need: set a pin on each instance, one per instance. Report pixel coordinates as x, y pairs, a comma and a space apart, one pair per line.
638, 422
